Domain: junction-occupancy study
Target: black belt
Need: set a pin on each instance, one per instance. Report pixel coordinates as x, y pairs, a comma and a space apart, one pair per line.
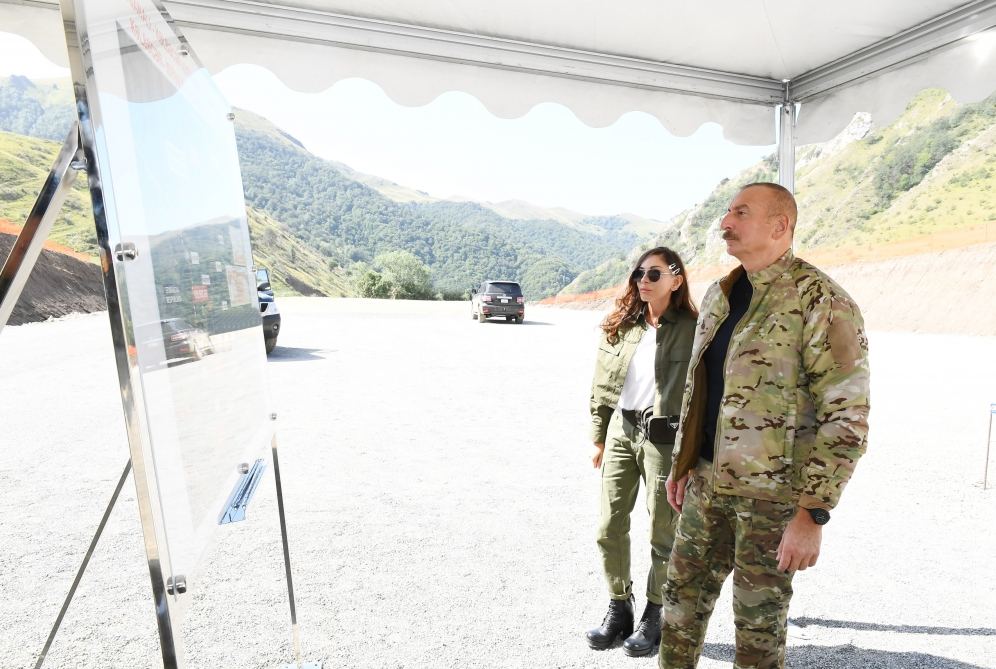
632, 416
662, 431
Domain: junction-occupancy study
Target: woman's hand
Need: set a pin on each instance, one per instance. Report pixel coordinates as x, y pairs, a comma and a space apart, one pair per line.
596, 454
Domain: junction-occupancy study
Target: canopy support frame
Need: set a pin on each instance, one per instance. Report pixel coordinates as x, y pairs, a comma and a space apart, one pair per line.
351, 32
786, 142
902, 48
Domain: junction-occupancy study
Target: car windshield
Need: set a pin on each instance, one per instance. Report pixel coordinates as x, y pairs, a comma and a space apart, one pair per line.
172, 325
511, 289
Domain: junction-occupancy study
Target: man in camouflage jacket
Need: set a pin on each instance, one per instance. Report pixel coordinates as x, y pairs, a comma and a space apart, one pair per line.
773, 421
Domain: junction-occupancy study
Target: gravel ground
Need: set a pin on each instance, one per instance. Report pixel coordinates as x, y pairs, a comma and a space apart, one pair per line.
442, 514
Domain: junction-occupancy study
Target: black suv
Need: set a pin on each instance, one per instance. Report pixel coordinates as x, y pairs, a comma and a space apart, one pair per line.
498, 298
268, 308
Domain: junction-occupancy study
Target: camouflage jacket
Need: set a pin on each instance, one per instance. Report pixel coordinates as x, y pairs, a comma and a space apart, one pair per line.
674, 345
793, 419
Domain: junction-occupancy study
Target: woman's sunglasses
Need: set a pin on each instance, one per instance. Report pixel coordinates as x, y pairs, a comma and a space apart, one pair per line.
653, 275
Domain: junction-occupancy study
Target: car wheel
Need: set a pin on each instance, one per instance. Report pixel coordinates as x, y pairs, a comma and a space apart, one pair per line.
509, 319
271, 343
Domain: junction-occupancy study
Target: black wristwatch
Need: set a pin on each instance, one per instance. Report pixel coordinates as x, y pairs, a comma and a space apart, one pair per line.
819, 516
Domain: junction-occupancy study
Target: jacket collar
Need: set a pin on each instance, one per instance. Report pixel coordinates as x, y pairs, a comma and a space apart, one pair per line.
765, 276
761, 277
670, 316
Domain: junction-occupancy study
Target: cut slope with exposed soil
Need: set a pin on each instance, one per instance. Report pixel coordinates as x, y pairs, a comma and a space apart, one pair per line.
59, 284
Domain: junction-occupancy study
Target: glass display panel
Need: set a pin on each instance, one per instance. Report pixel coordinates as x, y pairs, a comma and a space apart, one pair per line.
176, 224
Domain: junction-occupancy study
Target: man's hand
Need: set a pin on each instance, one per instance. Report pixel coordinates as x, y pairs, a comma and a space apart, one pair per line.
800, 545
596, 454
676, 492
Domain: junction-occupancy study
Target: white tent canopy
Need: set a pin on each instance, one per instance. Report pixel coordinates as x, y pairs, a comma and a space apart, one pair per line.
728, 61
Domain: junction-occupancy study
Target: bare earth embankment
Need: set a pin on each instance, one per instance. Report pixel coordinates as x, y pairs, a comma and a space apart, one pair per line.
952, 290
442, 513
61, 283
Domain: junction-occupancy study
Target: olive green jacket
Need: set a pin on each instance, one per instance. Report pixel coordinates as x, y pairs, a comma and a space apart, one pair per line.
793, 418
674, 346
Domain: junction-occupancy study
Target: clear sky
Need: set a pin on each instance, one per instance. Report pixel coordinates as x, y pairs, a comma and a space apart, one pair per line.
455, 147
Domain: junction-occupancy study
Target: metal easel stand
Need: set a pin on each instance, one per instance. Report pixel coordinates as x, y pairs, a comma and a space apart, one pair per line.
20, 261
27, 248
83, 566
14, 275
989, 441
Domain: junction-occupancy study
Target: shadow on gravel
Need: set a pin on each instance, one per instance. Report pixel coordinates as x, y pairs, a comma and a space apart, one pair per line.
497, 322
291, 354
909, 629
846, 657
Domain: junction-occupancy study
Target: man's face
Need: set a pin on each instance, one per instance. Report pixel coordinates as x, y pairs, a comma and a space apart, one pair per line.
748, 227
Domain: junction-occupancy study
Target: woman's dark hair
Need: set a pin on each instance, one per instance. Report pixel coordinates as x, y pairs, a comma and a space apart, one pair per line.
630, 306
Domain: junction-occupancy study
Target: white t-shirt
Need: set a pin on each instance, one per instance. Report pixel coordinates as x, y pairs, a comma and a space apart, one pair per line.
638, 390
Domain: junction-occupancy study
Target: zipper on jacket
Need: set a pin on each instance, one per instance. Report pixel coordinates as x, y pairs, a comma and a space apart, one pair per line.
737, 329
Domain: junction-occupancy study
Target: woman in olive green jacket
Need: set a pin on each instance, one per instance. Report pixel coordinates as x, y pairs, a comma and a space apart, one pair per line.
642, 362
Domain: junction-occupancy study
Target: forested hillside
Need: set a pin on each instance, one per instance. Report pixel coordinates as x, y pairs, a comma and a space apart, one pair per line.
462, 243
925, 182
25, 163
44, 111
317, 223
38, 109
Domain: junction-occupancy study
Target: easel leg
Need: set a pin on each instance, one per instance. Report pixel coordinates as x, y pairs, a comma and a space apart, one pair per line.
989, 440
27, 248
295, 633
86, 561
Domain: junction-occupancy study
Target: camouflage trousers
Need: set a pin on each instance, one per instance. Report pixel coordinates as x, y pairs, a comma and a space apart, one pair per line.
627, 460
717, 533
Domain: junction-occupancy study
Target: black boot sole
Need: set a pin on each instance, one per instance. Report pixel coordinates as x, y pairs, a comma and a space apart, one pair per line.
623, 635
631, 652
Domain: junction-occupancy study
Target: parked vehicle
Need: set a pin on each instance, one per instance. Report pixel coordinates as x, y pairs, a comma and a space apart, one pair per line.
496, 299
181, 341
267, 307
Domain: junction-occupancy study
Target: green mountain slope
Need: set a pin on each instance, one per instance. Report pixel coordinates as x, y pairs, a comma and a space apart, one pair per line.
296, 269
925, 182
24, 165
342, 218
38, 109
932, 171
462, 243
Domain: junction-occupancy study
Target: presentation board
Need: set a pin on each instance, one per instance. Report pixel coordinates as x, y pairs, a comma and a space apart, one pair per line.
171, 217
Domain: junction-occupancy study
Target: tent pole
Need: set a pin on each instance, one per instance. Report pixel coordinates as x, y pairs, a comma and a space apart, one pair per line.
786, 144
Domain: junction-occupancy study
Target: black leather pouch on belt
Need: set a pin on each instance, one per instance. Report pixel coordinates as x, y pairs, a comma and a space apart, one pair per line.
660, 430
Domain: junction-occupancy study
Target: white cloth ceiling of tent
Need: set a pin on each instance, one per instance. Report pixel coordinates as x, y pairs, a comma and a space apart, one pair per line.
727, 61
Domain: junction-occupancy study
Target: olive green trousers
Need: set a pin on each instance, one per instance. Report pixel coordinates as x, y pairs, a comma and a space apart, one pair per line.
627, 460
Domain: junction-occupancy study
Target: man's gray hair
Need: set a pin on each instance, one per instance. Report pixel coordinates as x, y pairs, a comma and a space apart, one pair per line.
783, 201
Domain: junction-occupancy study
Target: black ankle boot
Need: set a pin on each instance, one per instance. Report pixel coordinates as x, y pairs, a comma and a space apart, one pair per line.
618, 622
648, 633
